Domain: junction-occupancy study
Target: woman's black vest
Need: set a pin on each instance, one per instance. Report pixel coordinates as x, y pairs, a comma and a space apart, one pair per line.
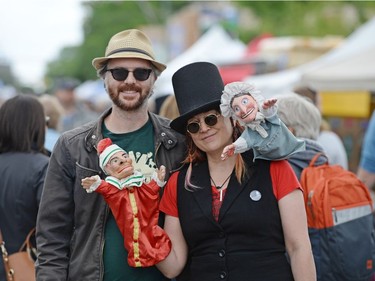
247, 242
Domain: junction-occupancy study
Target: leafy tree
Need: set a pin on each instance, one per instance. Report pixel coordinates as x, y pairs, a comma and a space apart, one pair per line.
280, 18
305, 18
104, 19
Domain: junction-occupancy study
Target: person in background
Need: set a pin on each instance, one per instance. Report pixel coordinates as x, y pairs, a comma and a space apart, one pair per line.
328, 139
333, 145
76, 113
366, 169
303, 119
234, 219
157, 102
53, 111
168, 108
23, 166
77, 235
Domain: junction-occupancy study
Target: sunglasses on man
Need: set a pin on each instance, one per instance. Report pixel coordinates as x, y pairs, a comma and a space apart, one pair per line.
210, 120
140, 74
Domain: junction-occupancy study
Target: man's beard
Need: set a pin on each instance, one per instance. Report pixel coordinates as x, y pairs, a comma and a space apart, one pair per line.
125, 105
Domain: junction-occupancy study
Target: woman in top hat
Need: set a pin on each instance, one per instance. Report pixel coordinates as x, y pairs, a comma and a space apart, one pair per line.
234, 219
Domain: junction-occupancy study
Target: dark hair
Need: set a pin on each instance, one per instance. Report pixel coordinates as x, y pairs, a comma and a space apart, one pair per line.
22, 125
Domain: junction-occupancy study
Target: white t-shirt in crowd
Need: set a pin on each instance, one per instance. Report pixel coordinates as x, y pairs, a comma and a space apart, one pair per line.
334, 148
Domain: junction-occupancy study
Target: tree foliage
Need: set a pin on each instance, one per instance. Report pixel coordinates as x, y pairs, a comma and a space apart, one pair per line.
280, 18
306, 18
105, 18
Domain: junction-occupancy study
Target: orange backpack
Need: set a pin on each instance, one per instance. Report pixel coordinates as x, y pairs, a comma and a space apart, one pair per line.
340, 218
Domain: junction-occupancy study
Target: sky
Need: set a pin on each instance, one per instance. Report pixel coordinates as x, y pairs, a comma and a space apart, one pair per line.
32, 33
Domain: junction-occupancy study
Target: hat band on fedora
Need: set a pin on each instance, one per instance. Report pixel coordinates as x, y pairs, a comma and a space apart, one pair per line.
130, 50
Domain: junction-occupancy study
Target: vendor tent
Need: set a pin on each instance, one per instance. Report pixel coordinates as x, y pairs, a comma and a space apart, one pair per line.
215, 46
356, 46
355, 72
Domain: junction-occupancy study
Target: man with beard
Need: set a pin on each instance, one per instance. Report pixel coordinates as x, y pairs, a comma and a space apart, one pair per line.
77, 236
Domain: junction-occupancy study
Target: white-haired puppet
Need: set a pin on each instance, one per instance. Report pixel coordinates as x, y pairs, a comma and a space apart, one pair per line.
264, 132
134, 204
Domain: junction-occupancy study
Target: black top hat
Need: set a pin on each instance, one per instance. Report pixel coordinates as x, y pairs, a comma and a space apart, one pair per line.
198, 88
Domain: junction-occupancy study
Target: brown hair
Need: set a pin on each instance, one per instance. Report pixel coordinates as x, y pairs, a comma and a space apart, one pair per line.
169, 108
53, 109
307, 92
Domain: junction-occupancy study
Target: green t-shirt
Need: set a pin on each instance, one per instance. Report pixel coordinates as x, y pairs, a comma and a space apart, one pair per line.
140, 147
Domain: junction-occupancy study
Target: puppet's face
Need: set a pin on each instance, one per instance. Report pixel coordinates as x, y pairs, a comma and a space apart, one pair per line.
120, 165
245, 108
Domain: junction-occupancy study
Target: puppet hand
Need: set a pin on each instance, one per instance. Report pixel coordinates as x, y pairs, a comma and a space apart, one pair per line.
91, 183
228, 151
269, 103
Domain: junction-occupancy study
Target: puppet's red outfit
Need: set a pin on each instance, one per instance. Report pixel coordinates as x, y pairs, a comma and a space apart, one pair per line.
136, 211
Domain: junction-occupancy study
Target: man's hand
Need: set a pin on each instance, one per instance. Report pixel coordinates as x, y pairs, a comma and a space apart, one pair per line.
161, 173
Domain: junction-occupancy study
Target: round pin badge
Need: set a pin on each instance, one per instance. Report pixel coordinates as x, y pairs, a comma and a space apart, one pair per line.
255, 195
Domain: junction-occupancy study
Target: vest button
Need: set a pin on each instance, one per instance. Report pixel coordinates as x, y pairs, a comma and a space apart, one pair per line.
222, 253
223, 275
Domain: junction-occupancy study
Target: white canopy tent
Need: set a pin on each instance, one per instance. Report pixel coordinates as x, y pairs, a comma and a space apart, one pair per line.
353, 48
215, 46
356, 72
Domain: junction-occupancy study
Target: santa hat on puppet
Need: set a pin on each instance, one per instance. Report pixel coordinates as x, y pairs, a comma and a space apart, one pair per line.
106, 149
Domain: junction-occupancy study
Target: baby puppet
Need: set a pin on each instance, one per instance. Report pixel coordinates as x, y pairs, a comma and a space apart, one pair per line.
264, 132
134, 204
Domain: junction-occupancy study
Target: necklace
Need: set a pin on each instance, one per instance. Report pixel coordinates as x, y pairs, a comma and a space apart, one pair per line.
220, 186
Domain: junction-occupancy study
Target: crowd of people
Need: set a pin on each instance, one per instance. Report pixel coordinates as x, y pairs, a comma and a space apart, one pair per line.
207, 188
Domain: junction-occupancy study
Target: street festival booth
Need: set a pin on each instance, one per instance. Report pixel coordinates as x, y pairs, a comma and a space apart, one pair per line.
347, 89
215, 46
345, 79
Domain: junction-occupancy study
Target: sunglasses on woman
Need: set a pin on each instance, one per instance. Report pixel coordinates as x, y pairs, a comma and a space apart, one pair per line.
210, 120
140, 74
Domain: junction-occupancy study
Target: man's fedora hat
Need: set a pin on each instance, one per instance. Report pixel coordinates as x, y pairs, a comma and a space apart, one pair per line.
198, 88
131, 43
